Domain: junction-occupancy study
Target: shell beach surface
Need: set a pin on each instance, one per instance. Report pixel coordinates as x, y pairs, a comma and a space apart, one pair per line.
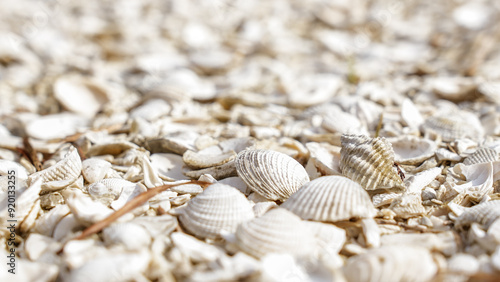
217, 140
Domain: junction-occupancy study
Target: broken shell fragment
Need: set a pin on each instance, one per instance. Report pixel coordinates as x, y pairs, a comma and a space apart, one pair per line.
482, 155
459, 124
219, 208
369, 162
272, 174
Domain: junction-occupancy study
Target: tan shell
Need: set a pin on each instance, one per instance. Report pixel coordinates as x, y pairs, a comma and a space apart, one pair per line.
219, 208
331, 199
277, 231
66, 170
456, 125
271, 174
391, 263
369, 161
482, 155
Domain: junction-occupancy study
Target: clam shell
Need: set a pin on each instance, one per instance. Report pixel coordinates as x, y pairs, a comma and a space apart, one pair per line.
271, 174
482, 155
219, 208
68, 169
456, 125
277, 231
369, 161
412, 150
391, 263
331, 199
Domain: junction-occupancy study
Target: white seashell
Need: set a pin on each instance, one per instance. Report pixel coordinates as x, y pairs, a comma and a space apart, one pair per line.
277, 231
455, 89
55, 126
495, 259
151, 110
66, 170
479, 179
272, 174
218, 172
443, 154
370, 162
198, 160
329, 238
455, 125
383, 199
79, 95
108, 188
336, 120
463, 263
410, 114
95, 169
66, 227
219, 208
391, 263
110, 148
6, 166
261, 208
482, 155
151, 178
85, 210
484, 214
132, 236
412, 150
168, 166
416, 183
408, 205
157, 225
128, 193
331, 199
325, 158
444, 242
47, 222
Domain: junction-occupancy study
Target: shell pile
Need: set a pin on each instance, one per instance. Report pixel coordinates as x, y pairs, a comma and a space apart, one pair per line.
322, 140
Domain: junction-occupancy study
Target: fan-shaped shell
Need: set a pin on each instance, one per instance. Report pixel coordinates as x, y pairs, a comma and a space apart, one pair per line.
482, 155
391, 263
220, 207
271, 174
484, 214
277, 231
67, 169
369, 162
331, 199
459, 124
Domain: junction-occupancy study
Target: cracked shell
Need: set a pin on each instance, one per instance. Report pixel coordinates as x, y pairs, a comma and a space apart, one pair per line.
331, 199
271, 174
277, 231
484, 214
369, 162
482, 155
219, 208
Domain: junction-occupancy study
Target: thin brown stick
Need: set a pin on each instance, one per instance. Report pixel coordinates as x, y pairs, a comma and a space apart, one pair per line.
128, 207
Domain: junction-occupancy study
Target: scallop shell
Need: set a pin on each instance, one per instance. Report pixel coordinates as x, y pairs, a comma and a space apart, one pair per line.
412, 150
219, 208
456, 125
331, 199
391, 263
369, 161
482, 155
271, 174
277, 231
66, 170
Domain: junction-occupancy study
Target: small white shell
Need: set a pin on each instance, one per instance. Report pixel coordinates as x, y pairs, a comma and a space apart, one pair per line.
484, 214
391, 263
198, 160
456, 125
331, 199
219, 208
272, 174
277, 231
369, 161
412, 150
108, 188
67, 170
95, 169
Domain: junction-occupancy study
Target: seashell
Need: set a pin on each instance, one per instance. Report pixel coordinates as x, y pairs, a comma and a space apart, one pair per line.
177, 142
412, 150
484, 214
277, 231
479, 179
416, 183
456, 125
55, 126
391, 263
331, 199
132, 236
85, 210
199, 161
408, 205
151, 110
445, 242
111, 147
455, 89
329, 238
219, 208
324, 157
443, 154
369, 161
336, 120
482, 155
261, 208
218, 172
168, 166
65, 171
108, 188
273, 175
95, 169
47, 222
79, 95
463, 263
410, 114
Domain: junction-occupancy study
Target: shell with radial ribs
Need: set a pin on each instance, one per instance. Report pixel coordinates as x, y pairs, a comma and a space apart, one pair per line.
271, 174
484, 214
391, 263
369, 162
331, 199
457, 125
219, 208
482, 155
277, 231
66, 170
